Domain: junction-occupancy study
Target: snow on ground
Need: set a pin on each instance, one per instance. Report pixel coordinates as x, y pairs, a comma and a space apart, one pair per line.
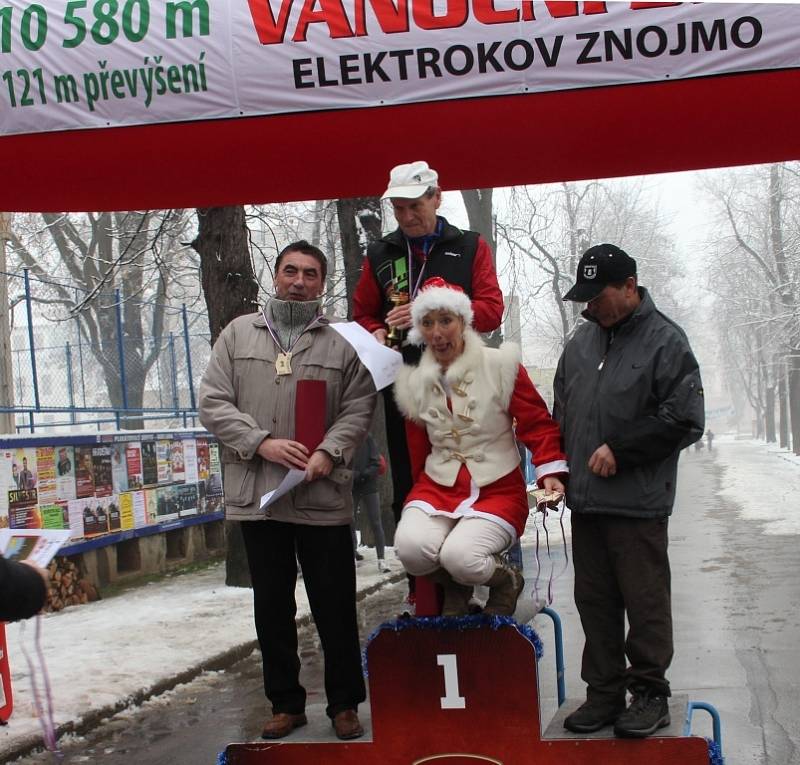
109, 653
763, 480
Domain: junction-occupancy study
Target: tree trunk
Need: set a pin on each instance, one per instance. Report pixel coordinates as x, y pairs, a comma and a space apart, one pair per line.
783, 409
359, 225
366, 213
769, 415
229, 281
794, 401
231, 290
480, 213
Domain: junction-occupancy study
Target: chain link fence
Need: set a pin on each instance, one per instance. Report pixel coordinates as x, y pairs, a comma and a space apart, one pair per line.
101, 369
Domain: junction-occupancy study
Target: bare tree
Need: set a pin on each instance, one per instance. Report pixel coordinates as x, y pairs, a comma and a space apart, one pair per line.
547, 228
93, 267
755, 277
360, 221
231, 290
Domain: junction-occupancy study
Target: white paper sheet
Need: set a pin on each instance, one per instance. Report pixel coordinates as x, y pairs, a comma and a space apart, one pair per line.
35, 545
383, 363
290, 480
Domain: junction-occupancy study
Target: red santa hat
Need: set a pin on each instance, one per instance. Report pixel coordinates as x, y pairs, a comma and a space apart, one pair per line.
438, 295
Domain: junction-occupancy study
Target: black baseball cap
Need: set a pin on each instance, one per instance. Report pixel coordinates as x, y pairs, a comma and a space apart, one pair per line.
599, 266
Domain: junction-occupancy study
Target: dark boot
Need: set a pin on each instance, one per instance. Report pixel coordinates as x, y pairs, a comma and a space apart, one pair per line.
456, 596
649, 711
505, 585
594, 714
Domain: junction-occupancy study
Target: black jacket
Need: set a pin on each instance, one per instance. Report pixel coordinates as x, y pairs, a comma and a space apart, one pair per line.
22, 591
642, 395
451, 257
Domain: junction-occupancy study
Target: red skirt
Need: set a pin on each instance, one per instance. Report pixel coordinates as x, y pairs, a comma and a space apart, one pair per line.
504, 501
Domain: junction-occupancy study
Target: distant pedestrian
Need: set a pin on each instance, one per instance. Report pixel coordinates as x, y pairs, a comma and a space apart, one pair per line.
366, 467
710, 439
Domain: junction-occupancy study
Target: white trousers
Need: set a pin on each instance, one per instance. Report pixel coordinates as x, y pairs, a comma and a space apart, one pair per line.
462, 546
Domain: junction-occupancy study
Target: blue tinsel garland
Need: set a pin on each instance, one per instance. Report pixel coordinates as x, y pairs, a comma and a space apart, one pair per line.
470, 622
222, 758
714, 753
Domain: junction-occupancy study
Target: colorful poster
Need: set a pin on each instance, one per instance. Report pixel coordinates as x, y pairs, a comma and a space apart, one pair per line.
119, 468
151, 506
213, 484
211, 492
93, 522
167, 504
23, 510
202, 458
177, 461
7, 483
65, 473
164, 461
101, 462
186, 499
190, 474
126, 514
149, 463
139, 509
133, 461
75, 514
113, 512
55, 516
46, 473
84, 472
23, 468
214, 464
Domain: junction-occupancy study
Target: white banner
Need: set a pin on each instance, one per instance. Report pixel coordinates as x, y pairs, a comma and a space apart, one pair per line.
104, 63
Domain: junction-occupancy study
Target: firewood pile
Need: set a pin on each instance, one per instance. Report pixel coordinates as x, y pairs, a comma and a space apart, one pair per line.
68, 585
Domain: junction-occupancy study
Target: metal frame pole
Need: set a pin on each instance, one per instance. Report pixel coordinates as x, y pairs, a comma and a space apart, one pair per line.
123, 380
192, 401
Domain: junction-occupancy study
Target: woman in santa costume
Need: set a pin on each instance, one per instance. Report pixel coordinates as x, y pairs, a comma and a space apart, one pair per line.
469, 501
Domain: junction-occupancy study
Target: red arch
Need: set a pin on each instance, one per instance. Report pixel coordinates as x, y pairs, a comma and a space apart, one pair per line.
481, 142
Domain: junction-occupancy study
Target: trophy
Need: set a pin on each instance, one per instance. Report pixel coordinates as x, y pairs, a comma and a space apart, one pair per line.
395, 335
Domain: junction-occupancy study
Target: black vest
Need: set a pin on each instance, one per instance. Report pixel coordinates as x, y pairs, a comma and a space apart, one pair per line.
451, 257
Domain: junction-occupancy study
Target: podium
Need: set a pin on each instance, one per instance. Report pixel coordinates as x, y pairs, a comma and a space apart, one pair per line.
462, 691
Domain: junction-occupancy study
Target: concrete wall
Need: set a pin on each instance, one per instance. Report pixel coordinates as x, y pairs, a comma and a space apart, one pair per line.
155, 554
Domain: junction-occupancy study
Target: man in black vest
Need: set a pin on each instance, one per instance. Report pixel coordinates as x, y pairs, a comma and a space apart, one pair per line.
423, 245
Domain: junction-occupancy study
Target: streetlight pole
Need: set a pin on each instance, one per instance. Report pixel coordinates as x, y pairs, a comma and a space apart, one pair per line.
6, 376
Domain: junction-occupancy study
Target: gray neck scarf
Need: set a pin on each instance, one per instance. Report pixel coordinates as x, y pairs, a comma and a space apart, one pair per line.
290, 317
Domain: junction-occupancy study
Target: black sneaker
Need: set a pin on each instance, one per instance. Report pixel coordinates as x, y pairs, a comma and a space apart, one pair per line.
593, 715
648, 712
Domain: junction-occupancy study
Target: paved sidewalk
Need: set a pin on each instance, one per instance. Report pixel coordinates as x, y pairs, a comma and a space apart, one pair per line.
115, 653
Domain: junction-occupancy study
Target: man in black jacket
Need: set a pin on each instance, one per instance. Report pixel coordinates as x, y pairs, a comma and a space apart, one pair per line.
628, 397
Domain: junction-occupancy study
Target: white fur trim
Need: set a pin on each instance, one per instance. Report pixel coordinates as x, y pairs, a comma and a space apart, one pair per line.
405, 388
438, 298
510, 358
557, 467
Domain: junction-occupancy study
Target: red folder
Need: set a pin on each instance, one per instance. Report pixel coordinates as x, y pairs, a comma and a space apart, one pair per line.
310, 411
